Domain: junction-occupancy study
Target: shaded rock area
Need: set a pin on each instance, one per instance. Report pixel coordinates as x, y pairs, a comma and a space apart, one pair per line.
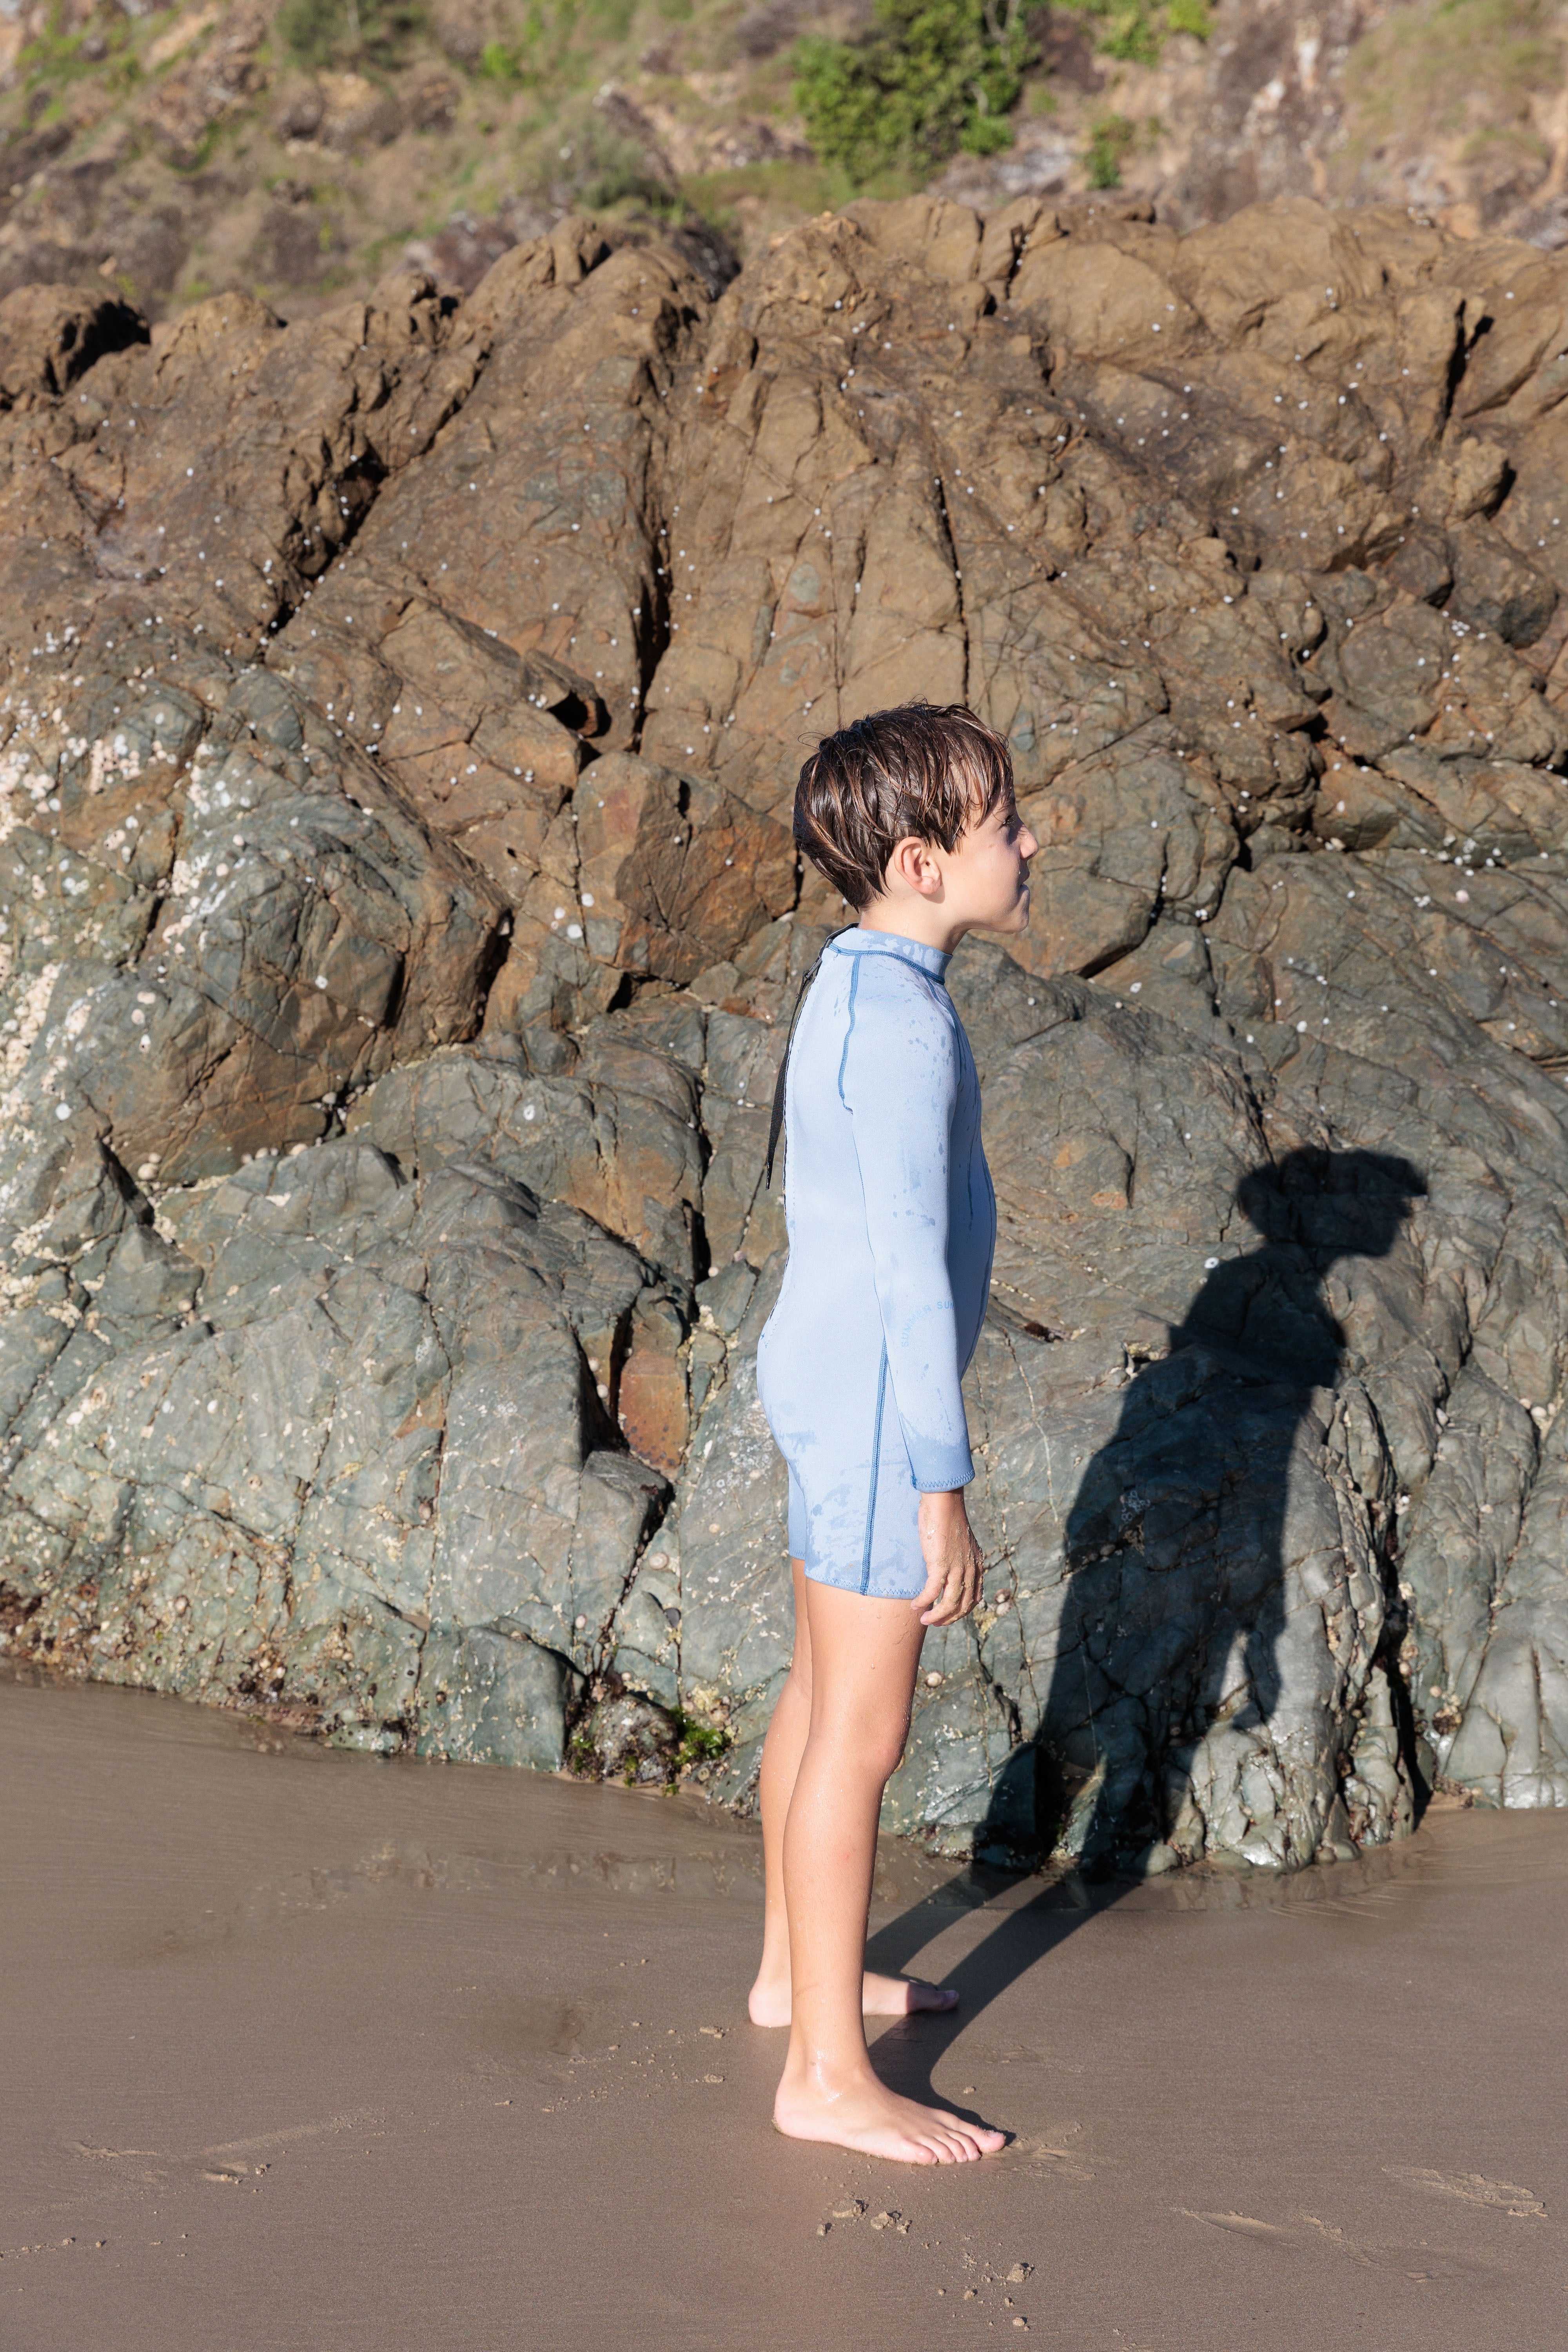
400, 716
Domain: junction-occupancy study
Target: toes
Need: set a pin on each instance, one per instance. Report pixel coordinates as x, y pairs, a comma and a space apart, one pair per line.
975, 2140
986, 2137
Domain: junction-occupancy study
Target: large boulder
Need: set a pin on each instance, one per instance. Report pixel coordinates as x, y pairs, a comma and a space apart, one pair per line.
401, 920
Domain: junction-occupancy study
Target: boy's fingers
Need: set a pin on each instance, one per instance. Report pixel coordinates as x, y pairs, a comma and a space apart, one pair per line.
938, 1604
958, 1597
967, 1595
930, 1592
953, 1589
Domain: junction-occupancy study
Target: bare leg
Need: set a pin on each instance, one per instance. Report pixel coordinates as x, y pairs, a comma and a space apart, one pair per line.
864, 1653
769, 2003
782, 1752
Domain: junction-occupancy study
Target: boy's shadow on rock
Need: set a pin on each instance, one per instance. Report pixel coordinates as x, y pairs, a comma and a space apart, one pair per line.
1176, 1567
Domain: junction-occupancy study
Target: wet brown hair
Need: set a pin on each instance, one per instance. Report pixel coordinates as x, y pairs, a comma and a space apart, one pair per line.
932, 773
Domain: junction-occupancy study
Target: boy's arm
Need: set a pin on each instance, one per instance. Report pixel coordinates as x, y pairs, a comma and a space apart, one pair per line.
899, 1077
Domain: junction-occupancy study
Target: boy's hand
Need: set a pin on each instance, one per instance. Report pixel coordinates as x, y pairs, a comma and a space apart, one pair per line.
953, 1566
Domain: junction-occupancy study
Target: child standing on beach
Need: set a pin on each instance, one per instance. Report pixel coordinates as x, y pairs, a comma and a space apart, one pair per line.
910, 816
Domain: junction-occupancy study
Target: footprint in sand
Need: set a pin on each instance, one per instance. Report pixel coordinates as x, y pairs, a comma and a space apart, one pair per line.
1418, 2263
1501, 2196
1044, 2152
1243, 2225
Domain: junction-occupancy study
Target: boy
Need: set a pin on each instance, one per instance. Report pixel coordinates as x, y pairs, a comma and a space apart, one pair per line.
910, 813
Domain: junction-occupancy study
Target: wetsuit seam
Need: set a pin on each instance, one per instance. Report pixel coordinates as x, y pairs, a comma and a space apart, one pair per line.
858, 947
990, 1269
876, 1467
910, 965
849, 1031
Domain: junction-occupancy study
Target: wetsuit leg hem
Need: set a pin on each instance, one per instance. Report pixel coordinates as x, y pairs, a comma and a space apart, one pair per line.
852, 1583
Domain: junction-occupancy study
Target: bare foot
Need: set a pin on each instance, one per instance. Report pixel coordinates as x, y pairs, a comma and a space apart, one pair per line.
769, 2004
871, 2119
902, 1996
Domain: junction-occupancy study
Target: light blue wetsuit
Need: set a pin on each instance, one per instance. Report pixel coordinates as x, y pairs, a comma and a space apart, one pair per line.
892, 1223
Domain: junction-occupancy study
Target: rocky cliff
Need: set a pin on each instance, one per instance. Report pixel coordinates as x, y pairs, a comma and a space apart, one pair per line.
399, 720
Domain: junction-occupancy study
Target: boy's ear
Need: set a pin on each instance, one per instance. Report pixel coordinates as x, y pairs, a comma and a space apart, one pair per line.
914, 864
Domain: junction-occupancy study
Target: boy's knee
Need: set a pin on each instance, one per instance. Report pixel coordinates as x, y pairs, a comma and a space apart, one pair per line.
858, 1741
882, 1752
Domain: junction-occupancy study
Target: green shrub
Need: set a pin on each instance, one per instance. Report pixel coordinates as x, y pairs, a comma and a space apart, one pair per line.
349, 32
932, 75
499, 61
583, 155
1131, 34
1135, 30
63, 56
1109, 139
310, 30
700, 1743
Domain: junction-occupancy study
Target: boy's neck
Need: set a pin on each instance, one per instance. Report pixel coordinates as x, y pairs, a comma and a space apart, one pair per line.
909, 916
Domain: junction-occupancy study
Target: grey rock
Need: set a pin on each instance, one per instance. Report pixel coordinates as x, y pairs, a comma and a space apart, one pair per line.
399, 940
626, 1737
251, 1494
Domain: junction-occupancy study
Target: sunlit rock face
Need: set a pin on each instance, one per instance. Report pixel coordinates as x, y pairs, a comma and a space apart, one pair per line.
400, 714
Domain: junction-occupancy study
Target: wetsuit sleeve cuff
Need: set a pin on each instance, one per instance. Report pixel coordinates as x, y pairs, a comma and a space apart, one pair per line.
940, 1468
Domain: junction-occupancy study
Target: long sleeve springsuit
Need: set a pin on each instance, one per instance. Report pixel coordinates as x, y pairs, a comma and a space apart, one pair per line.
892, 1225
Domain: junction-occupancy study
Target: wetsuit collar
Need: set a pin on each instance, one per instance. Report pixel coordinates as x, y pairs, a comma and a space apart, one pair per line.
862, 942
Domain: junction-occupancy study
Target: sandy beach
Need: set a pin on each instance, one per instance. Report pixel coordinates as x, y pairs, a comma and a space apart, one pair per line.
312, 2050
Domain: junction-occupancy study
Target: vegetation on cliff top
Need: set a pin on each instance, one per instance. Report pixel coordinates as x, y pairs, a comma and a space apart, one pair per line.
933, 77
295, 147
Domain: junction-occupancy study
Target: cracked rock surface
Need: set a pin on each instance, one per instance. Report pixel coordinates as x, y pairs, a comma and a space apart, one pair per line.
400, 920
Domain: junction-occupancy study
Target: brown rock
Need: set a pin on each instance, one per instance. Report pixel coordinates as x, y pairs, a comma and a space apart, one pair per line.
49, 335
553, 546
1497, 588
401, 918
653, 1388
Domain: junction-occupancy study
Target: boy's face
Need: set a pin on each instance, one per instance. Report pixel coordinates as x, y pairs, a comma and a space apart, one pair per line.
987, 878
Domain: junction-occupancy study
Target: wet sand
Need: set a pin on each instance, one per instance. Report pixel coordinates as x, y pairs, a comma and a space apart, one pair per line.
318, 2051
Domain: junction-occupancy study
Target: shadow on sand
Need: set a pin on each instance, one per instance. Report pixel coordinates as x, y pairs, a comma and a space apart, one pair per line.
1153, 1631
